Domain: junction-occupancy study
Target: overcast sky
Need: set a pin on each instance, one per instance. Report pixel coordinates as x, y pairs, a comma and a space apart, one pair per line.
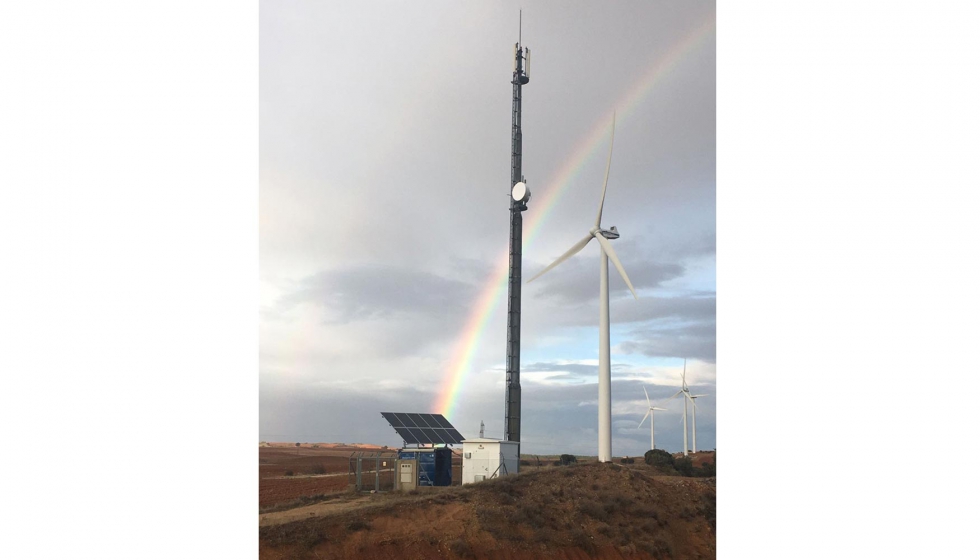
384, 175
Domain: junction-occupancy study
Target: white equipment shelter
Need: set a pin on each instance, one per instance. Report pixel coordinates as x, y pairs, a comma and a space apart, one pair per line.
485, 458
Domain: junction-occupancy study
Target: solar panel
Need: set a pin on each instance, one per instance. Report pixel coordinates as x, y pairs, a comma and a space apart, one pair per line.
423, 428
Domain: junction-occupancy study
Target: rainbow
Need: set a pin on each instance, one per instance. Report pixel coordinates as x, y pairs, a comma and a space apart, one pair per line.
490, 296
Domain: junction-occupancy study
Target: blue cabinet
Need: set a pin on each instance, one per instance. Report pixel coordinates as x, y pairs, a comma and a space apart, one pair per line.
435, 465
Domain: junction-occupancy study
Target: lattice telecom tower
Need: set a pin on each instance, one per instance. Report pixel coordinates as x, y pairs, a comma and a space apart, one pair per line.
518, 203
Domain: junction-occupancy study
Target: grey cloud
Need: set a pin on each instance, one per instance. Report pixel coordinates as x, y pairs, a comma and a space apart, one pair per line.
578, 369
699, 309
379, 291
695, 341
564, 377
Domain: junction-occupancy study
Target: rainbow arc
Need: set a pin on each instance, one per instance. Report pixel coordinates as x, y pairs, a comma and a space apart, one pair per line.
461, 360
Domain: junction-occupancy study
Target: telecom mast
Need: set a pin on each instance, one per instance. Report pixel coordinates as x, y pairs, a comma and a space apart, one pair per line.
518, 203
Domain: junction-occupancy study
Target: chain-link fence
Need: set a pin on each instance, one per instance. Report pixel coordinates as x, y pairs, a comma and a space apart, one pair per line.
372, 471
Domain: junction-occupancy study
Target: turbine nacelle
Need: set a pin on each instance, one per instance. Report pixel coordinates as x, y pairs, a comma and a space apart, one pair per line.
611, 233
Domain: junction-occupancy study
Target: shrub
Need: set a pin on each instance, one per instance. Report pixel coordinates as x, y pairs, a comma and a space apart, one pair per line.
684, 466
461, 548
297, 444
605, 530
583, 540
658, 458
594, 510
530, 515
649, 511
318, 468
357, 524
566, 459
525, 463
649, 526
288, 472
659, 548
707, 508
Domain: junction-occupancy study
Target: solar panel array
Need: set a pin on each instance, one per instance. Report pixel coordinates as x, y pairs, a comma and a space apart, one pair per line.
423, 428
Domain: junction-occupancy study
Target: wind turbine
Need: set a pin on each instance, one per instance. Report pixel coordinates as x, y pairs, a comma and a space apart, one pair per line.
606, 251
650, 414
687, 396
694, 412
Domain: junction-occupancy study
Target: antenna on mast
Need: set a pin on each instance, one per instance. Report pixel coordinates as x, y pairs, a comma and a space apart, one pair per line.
520, 24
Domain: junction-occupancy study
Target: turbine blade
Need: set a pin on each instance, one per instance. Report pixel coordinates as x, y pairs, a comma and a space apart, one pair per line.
644, 418
607, 247
647, 395
675, 394
575, 249
612, 133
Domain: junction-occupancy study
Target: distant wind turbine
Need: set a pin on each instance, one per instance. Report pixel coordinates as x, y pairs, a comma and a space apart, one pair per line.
606, 251
694, 412
687, 396
649, 413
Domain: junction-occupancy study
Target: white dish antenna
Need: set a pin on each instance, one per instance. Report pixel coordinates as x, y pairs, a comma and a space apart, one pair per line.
521, 193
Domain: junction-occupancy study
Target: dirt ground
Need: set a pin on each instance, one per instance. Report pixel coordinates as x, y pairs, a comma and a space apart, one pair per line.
591, 510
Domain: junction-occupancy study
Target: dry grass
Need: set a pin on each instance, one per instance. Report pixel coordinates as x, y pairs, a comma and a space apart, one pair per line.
589, 507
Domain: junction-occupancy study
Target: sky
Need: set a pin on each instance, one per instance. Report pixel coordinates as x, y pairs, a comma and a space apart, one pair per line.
384, 175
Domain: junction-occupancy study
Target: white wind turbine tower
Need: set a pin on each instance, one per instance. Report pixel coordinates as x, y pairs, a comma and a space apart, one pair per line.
687, 396
694, 424
650, 414
607, 253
